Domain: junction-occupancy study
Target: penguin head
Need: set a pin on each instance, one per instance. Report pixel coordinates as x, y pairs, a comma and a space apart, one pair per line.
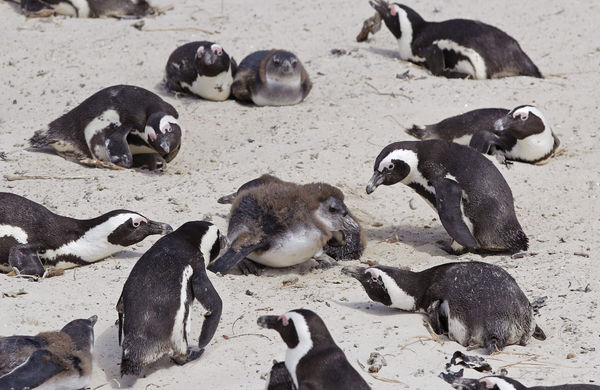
204, 236
371, 281
163, 133
395, 163
298, 328
283, 67
395, 15
126, 228
211, 59
81, 332
331, 209
522, 122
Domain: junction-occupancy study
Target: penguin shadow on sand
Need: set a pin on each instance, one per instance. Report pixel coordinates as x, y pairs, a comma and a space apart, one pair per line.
384, 52
372, 308
430, 241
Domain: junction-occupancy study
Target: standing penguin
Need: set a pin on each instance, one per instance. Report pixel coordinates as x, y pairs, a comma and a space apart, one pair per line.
31, 236
49, 360
201, 68
87, 8
455, 48
155, 305
520, 134
476, 304
114, 127
313, 359
280, 224
271, 78
474, 202
505, 383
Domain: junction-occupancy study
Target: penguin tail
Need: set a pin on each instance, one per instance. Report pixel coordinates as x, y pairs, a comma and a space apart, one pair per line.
39, 139
416, 131
539, 334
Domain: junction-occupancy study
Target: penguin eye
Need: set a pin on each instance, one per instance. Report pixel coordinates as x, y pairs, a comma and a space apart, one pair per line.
170, 129
390, 166
333, 209
294, 62
201, 51
276, 61
136, 224
523, 117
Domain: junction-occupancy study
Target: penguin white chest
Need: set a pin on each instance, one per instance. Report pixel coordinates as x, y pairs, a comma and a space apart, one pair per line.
293, 248
216, 88
456, 329
274, 93
533, 148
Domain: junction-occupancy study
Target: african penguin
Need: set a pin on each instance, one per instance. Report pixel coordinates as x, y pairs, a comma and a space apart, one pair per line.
60, 360
521, 134
313, 359
156, 303
113, 127
87, 8
279, 378
201, 68
280, 224
476, 304
271, 78
505, 383
31, 236
474, 202
456, 48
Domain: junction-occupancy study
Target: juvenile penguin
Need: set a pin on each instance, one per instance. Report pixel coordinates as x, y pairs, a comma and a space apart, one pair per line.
521, 134
313, 359
31, 236
456, 48
474, 202
271, 78
279, 378
505, 383
87, 8
201, 68
280, 224
49, 360
114, 127
156, 303
476, 304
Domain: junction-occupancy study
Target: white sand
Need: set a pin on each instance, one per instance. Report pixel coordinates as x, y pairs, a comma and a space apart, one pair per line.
49, 66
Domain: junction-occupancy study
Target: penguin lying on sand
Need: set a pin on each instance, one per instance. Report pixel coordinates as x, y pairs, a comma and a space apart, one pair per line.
32, 236
280, 224
505, 383
87, 8
474, 202
520, 134
476, 304
155, 305
118, 127
201, 68
50, 360
455, 48
313, 359
271, 78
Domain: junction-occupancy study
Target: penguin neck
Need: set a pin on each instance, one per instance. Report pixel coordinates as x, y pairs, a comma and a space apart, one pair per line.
302, 348
410, 25
404, 288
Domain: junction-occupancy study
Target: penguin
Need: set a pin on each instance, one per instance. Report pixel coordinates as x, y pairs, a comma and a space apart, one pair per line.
476, 304
474, 202
155, 306
201, 68
271, 78
113, 127
456, 48
521, 134
505, 383
279, 378
313, 359
60, 360
281, 224
31, 236
87, 8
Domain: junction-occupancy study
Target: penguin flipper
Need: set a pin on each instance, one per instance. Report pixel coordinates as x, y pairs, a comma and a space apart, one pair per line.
483, 140
36, 370
230, 258
435, 61
539, 334
120, 311
26, 260
448, 194
251, 184
209, 298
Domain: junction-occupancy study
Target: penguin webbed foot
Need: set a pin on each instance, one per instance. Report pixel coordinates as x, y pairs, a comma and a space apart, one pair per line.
324, 261
453, 249
247, 267
193, 353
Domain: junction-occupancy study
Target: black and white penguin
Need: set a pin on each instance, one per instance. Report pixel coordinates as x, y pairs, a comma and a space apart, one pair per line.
476, 304
455, 48
313, 359
31, 236
279, 378
505, 383
474, 202
201, 68
280, 224
60, 360
155, 305
87, 8
521, 134
115, 126
271, 78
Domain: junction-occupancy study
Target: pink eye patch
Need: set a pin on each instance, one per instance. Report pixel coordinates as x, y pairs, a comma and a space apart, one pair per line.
284, 320
392, 9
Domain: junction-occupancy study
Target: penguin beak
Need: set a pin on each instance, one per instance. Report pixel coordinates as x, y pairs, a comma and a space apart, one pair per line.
227, 199
158, 228
350, 223
269, 322
357, 273
376, 180
93, 320
164, 144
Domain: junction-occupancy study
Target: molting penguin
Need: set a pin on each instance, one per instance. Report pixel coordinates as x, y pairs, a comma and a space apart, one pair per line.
51, 360
476, 304
313, 359
505, 383
474, 202
32, 236
87, 8
201, 68
119, 126
271, 78
455, 48
520, 134
156, 303
280, 224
